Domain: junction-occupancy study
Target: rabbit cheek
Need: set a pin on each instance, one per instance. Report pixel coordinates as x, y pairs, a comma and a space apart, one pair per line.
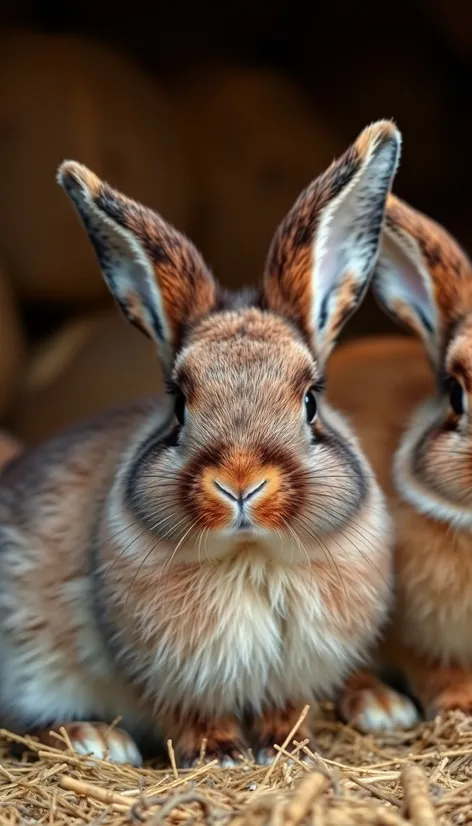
444, 462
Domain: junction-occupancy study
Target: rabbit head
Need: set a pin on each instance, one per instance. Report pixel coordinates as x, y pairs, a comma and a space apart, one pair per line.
423, 279
253, 452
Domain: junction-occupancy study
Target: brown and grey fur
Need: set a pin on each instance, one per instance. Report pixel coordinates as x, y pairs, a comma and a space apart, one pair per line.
403, 402
132, 581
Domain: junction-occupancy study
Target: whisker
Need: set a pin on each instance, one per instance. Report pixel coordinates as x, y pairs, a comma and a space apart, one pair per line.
328, 555
174, 552
300, 544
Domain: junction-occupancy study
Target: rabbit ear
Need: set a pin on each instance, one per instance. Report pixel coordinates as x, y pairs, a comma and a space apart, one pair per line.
422, 278
324, 252
156, 275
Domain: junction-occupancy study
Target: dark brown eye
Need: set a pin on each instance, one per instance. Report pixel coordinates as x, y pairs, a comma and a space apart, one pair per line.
180, 408
456, 397
311, 407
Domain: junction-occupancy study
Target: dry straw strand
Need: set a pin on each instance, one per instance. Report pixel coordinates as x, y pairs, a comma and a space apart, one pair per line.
417, 799
417, 778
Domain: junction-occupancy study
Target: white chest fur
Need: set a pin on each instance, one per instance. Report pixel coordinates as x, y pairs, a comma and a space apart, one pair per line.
220, 637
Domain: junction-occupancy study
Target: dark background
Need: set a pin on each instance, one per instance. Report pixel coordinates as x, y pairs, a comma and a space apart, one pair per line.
254, 99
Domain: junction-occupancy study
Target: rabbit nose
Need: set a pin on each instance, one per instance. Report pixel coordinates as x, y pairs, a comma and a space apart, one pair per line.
240, 496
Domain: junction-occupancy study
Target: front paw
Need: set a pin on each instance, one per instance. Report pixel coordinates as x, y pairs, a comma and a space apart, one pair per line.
265, 755
221, 740
455, 698
97, 740
274, 727
371, 706
227, 754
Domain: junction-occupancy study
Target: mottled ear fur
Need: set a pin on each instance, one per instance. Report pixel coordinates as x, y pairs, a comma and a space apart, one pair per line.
324, 252
155, 274
423, 279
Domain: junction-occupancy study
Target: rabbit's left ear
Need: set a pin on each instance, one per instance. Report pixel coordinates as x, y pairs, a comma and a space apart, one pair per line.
325, 250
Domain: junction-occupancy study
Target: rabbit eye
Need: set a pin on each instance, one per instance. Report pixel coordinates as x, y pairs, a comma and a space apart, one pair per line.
180, 408
456, 397
311, 407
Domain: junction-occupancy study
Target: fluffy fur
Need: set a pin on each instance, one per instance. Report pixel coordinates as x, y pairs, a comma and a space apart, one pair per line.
204, 564
414, 423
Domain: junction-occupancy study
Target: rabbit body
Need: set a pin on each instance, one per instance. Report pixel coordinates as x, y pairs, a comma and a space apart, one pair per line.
54, 662
222, 554
434, 612
92, 625
409, 403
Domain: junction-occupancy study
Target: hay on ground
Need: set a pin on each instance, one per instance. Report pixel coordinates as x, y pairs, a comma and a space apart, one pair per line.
421, 777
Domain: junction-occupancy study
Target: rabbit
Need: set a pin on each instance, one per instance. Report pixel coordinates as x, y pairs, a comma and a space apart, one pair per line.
408, 398
204, 564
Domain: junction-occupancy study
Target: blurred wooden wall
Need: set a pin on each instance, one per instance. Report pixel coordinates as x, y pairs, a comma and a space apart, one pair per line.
217, 115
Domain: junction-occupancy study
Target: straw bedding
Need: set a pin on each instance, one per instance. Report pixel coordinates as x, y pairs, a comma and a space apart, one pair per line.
423, 777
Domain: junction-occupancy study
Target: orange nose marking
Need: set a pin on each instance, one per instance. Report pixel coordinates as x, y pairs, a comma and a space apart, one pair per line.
240, 475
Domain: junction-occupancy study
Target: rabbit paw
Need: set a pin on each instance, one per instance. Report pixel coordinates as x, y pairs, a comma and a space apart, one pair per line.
227, 755
372, 706
455, 698
97, 740
223, 742
265, 755
273, 729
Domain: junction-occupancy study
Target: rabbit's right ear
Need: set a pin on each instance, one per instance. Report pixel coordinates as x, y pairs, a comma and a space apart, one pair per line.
423, 279
324, 252
155, 274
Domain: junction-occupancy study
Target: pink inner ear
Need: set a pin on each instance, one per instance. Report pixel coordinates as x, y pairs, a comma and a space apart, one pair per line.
335, 250
347, 242
332, 263
402, 277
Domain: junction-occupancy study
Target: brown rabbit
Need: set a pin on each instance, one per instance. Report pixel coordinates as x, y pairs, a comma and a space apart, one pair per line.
410, 404
204, 567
